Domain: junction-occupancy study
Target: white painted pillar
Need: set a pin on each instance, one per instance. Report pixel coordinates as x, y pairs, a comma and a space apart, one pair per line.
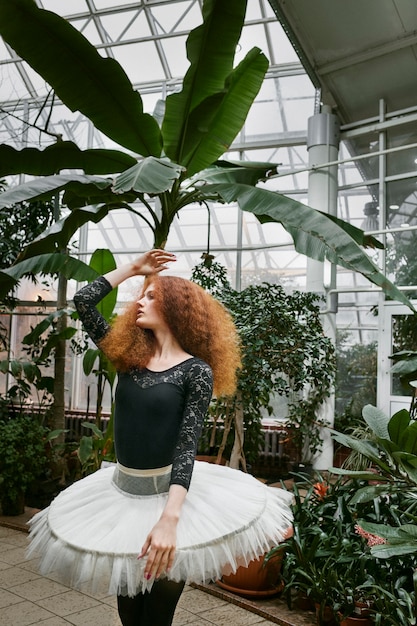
323, 147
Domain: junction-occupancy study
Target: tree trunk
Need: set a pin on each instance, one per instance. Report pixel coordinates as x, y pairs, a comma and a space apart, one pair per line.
58, 407
237, 458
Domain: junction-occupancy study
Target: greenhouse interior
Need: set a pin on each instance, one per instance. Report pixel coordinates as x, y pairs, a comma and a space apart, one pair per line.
327, 137
335, 118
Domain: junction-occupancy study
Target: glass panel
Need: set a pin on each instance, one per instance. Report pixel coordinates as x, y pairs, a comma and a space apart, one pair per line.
404, 337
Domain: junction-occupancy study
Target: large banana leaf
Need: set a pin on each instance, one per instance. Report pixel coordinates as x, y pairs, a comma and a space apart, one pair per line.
314, 234
47, 186
45, 264
59, 234
85, 81
214, 123
59, 156
150, 176
247, 172
211, 49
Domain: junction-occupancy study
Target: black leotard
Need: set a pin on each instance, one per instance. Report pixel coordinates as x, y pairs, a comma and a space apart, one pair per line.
158, 415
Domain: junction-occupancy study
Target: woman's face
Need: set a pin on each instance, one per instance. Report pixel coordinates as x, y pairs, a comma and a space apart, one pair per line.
148, 315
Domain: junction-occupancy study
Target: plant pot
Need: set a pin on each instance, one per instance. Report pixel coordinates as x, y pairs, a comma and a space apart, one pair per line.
208, 458
356, 621
325, 615
13, 506
257, 579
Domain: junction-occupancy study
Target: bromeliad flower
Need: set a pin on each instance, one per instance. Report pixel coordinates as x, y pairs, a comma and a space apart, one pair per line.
320, 490
372, 540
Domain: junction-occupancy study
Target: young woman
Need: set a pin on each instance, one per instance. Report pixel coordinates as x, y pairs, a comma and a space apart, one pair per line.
157, 519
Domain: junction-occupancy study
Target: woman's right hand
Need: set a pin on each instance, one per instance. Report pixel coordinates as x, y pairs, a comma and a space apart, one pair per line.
152, 262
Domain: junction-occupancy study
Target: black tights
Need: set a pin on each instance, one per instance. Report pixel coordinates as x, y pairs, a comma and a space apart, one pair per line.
154, 608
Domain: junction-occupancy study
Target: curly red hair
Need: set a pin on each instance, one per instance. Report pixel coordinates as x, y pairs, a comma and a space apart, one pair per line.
201, 325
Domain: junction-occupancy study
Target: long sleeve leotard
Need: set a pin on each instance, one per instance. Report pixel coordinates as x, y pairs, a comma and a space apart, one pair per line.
158, 415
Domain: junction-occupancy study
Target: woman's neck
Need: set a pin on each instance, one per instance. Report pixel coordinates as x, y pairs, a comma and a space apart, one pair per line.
168, 352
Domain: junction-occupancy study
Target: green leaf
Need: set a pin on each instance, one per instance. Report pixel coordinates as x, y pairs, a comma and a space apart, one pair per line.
320, 237
210, 64
61, 155
369, 493
85, 81
246, 172
150, 176
102, 261
44, 264
359, 475
47, 187
59, 234
387, 550
94, 428
408, 441
361, 238
85, 449
397, 425
90, 357
376, 420
33, 336
405, 367
214, 124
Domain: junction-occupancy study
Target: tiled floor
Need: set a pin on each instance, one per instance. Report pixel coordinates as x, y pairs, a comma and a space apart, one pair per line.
28, 598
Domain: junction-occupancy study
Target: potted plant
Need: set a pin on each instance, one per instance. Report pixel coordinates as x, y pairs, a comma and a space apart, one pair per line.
285, 353
260, 578
329, 561
23, 458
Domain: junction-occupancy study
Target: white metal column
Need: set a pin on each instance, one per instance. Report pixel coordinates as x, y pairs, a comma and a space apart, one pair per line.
323, 147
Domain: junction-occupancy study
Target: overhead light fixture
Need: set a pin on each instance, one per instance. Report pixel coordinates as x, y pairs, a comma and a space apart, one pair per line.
371, 221
394, 207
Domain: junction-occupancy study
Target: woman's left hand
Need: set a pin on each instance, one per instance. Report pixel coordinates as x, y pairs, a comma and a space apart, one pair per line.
159, 548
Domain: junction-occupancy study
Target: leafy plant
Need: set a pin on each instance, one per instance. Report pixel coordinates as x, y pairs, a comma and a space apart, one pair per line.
96, 448
178, 162
284, 352
99, 446
23, 458
329, 560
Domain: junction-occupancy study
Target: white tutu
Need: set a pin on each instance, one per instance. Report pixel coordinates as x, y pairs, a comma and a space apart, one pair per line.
91, 534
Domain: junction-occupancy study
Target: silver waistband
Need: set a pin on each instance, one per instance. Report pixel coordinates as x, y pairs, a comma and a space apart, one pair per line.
139, 482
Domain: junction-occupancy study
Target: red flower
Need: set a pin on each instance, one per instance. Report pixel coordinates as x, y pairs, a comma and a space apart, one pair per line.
320, 490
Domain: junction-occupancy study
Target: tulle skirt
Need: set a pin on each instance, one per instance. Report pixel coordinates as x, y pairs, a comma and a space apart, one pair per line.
91, 534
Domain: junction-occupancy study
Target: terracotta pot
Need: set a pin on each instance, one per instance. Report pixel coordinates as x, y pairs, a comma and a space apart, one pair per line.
356, 621
210, 459
325, 616
256, 579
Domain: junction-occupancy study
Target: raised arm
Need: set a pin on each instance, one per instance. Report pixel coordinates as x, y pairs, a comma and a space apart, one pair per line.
151, 262
89, 296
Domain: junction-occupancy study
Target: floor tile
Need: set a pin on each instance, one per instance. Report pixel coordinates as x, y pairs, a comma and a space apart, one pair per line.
23, 614
28, 598
54, 621
14, 555
7, 598
231, 615
197, 601
69, 602
38, 589
15, 576
98, 616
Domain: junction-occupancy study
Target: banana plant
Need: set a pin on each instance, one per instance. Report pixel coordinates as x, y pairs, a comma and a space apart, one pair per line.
176, 163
